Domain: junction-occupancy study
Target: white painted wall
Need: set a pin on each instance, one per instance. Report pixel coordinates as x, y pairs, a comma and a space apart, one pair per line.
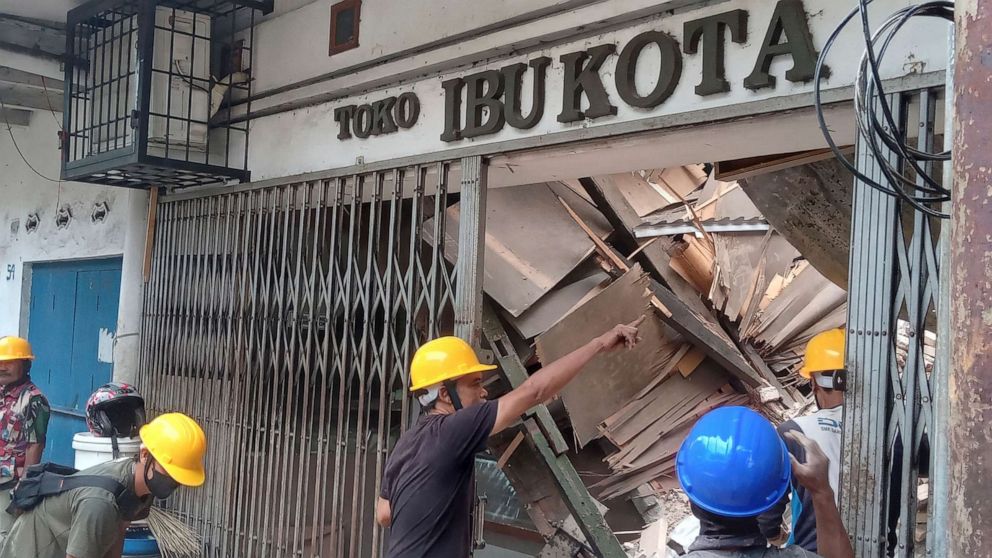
293, 47
304, 140
23, 192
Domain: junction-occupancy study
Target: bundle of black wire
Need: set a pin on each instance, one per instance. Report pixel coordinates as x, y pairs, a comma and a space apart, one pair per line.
869, 93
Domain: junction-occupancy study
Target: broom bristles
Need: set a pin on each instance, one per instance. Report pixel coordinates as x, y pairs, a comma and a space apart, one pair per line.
175, 538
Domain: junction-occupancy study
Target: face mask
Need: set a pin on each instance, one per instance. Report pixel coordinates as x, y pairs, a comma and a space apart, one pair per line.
161, 485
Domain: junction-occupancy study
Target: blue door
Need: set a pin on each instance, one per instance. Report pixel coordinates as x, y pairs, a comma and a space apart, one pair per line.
72, 327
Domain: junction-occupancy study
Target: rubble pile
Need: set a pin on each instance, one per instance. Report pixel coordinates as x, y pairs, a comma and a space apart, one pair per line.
559, 271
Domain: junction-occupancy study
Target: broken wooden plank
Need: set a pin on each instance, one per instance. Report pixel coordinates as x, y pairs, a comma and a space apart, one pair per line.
716, 346
666, 396
690, 361
679, 315
560, 302
518, 270
608, 381
508, 452
640, 194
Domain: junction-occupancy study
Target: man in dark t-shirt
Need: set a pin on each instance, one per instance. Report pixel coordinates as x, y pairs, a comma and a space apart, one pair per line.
426, 496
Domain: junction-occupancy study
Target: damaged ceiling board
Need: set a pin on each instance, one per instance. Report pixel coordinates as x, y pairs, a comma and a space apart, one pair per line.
640, 194
557, 304
531, 241
738, 256
811, 206
668, 396
734, 205
609, 381
795, 300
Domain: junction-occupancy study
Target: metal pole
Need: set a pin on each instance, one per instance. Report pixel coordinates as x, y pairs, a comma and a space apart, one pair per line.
937, 530
471, 246
970, 374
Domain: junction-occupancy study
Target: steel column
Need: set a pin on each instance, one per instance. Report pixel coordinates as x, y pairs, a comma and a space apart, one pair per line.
969, 497
940, 481
471, 249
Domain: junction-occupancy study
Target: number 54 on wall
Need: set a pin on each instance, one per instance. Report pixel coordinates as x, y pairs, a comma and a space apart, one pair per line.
11, 269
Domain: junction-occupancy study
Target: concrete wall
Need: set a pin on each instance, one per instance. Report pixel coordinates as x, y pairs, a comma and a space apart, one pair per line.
287, 141
24, 193
387, 27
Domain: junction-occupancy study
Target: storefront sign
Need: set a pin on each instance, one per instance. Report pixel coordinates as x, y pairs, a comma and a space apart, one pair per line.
381, 117
483, 103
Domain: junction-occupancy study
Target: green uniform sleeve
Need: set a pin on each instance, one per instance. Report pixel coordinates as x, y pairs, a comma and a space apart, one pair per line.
37, 420
95, 528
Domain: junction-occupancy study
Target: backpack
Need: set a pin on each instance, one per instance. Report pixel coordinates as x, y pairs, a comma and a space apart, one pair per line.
49, 479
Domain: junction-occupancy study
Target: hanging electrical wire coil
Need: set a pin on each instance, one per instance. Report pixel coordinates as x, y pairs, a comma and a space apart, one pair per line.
884, 137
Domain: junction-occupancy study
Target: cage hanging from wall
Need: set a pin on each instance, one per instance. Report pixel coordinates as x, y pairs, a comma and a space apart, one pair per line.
149, 90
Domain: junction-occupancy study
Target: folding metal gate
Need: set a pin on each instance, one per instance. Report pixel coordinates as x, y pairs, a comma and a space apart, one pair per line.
890, 414
283, 317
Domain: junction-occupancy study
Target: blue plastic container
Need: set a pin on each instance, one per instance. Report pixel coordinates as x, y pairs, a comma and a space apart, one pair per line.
139, 542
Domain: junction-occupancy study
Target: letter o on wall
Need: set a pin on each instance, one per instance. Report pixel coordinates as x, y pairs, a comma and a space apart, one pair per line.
669, 72
407, 110
363, 121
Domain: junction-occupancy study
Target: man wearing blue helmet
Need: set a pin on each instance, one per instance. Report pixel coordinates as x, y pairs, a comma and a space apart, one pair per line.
733, 466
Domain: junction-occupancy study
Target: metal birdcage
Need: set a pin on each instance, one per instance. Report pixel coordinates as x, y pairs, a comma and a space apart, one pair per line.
148, 90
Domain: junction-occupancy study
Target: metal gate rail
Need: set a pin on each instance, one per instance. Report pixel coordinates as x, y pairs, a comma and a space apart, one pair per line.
894, 275
282, 318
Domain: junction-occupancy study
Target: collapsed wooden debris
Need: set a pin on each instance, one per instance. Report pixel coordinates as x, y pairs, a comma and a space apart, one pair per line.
559, 276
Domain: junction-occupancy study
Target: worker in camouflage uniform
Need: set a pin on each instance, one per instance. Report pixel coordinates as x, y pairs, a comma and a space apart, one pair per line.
733, 466
24, 413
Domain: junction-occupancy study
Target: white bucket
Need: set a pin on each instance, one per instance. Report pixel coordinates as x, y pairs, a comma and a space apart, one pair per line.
92, 450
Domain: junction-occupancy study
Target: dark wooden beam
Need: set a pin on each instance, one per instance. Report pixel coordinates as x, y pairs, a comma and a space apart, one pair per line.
30, 97
31, 37
691, 323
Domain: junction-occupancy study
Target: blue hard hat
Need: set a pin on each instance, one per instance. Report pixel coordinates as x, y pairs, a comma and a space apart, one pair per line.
733, 463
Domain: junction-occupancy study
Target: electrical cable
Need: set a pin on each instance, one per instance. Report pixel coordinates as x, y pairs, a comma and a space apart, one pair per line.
48, 101
10, 130
884, 138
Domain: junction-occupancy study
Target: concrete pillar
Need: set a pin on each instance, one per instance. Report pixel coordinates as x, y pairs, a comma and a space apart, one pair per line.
127, 345
969, 385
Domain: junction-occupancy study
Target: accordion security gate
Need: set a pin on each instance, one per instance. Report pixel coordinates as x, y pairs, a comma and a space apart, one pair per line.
891, 415
283, 318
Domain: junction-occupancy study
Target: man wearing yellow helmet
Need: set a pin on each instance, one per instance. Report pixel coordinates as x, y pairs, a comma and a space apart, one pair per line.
89, 521
24, 414
426, 494
824, 367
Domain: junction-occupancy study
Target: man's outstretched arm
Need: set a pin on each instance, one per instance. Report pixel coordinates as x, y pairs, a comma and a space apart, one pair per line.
548, 381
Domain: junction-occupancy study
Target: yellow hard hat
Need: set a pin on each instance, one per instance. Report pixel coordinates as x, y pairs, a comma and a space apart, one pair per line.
178, 443
445, 358
824, 353
15, 348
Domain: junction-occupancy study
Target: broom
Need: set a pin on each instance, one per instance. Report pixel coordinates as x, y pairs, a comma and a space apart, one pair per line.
175, 538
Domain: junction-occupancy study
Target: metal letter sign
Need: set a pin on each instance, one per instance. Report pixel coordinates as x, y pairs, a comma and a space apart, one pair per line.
493, 98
